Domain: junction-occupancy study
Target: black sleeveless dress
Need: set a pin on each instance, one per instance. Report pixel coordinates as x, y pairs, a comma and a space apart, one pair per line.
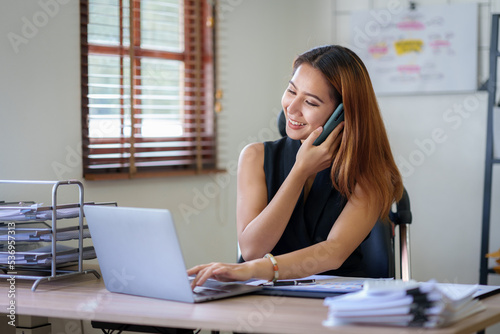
312, 220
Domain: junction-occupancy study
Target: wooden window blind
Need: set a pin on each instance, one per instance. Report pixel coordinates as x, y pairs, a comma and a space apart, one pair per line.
147, 73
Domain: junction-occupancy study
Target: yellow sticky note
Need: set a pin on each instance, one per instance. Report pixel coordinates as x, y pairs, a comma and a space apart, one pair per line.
404, 46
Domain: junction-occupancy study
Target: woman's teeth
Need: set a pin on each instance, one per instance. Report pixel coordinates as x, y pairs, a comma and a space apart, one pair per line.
296, 123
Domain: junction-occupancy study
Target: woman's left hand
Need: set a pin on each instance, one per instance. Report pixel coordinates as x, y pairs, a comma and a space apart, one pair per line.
312, 159
224, 272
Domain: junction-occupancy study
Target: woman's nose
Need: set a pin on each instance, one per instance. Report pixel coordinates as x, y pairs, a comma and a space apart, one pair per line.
292, 107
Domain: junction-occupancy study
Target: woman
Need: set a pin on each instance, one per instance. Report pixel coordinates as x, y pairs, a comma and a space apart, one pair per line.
304, 209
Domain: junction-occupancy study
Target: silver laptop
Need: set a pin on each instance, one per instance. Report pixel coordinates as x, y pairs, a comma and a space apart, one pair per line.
139, 254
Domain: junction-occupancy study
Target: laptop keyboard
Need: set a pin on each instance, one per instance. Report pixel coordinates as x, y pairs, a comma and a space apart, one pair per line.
204, 291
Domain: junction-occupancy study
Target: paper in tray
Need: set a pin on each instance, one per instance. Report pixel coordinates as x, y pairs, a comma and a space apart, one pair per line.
43, 256
37, 212
40, 235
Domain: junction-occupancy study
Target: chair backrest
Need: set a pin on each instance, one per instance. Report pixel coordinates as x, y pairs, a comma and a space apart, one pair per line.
402, 218
378, 251
282, 123
380, 254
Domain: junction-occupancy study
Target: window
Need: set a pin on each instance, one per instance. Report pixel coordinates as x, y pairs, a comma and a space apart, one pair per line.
147, 88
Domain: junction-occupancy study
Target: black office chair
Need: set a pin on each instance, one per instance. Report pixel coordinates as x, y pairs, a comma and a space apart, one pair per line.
379, 249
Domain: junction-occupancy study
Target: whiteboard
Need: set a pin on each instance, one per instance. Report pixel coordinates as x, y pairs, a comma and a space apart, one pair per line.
425, 50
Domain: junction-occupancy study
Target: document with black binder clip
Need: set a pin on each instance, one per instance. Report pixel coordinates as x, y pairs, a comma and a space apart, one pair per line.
398, 303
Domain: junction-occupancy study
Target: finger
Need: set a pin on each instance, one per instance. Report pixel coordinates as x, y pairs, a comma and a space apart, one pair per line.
335, 134
337, 138
198, 272
196, 269
193, 271
219, 275
313, 135
203, 275
198, 280
223, 274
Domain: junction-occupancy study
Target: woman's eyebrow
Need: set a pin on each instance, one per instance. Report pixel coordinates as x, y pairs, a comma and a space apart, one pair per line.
306, 93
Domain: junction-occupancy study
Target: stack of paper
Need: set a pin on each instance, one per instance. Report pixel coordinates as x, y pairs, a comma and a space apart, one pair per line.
37, 212
42, 256
398, 303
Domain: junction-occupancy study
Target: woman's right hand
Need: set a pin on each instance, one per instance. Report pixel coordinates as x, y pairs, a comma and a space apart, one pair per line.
224, 272
312, 159
230, 272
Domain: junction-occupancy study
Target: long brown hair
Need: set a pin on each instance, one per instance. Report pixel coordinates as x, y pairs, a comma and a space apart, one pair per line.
364, 156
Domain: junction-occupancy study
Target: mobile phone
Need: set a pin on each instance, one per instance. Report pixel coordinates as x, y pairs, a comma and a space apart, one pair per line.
334, 120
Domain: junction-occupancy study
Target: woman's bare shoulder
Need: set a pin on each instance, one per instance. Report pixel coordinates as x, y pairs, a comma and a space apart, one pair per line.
252, 152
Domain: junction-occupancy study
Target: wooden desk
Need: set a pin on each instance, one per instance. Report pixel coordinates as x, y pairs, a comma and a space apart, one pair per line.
86, 298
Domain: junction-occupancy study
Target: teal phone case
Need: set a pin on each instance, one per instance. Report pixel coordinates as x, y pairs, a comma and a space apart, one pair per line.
334, 120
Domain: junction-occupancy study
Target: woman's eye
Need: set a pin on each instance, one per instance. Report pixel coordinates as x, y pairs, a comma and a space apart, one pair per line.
290, 91
312, 104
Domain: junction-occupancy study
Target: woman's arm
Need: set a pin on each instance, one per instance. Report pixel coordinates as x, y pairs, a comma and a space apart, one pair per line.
259, 224
351, 228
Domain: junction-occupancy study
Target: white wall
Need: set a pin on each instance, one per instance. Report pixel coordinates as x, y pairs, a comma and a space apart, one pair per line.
446, 187
40, 126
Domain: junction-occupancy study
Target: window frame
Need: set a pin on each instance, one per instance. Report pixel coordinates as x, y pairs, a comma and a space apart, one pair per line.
192, 153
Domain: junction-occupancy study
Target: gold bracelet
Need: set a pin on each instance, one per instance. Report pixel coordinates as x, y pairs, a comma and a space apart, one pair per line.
275, 266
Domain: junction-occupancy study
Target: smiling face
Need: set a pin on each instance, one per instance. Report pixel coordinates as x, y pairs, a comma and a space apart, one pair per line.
307, 102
